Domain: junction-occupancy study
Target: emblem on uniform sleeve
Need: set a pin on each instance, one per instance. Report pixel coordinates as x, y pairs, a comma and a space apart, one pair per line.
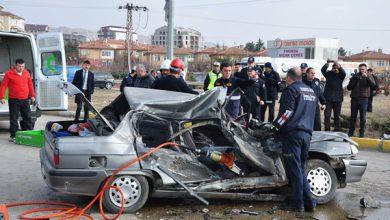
286, 115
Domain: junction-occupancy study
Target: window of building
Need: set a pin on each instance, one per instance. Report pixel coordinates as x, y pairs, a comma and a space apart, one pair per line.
107, 53
309, 53
380, 63
84, 52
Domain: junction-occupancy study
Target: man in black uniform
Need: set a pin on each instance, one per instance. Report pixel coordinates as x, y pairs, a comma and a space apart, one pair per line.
295, 123
256, 94
128, 81
272, 82
173, 81
314, 83
144, 79
304, 68
333, 93
244, 73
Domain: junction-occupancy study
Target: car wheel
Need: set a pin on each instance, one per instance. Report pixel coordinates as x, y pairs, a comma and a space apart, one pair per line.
135, 190
322, 180
108, 85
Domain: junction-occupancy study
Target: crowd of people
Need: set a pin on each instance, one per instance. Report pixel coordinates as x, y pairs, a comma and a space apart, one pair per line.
260, 88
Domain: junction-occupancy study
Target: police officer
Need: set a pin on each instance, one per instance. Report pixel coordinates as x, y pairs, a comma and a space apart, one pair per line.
128, 81
295, 124
231, 83
360, 86
314, 83
212, 76
256, 94
333, 93
272, 82
304, 68
173, 81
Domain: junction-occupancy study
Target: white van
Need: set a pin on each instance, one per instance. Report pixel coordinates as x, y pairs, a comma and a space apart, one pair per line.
45, 59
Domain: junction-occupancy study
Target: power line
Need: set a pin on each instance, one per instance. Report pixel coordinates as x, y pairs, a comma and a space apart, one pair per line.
284, 26
129, 28
226, 3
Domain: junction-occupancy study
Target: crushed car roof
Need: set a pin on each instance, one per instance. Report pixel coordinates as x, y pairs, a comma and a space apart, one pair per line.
176, 105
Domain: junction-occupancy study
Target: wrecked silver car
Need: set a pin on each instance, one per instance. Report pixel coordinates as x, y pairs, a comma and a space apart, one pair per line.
217, 157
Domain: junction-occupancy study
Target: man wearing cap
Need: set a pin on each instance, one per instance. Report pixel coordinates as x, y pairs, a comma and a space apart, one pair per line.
272, 83
173, 81
304, 68
212, 76
128, 81
244, 73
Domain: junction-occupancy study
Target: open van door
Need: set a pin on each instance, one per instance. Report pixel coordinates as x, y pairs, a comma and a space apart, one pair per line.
51, 72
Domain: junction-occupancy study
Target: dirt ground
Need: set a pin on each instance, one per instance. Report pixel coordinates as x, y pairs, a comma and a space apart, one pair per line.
381, 107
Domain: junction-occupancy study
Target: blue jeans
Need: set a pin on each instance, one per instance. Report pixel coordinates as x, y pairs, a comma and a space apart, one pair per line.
295, 148
358, 105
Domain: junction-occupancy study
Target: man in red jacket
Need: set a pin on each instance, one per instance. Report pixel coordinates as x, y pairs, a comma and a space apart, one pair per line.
20, 91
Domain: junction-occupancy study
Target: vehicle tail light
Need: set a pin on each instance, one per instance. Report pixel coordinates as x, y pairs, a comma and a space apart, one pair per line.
56, 156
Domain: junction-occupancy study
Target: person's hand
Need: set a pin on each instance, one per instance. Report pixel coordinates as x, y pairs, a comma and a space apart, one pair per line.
32, 99
262, 103
2, 101
364, 74
322, 107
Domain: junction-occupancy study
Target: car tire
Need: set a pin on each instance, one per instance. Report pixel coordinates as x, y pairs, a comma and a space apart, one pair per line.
136, 190
322, 180
108, 85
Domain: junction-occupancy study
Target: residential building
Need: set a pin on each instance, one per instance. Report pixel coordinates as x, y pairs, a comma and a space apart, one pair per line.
309, 48
36, 28
114, 33
377, 60
183, 38
10, 21
157, 54
74, 38
233, 53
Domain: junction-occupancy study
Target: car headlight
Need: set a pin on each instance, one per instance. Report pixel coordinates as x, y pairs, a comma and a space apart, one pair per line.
354, 150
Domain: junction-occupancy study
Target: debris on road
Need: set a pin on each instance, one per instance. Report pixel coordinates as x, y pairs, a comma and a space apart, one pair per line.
369, 202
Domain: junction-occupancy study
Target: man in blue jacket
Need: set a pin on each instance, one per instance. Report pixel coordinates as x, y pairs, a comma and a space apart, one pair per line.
333, 93
295, 124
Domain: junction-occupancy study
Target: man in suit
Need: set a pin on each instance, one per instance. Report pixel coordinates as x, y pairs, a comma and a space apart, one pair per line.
84, 81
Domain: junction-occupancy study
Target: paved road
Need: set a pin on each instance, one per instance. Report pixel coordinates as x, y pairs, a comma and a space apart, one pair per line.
21, 180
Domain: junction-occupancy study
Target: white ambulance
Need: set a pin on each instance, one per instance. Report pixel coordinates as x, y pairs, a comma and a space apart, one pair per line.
45, 59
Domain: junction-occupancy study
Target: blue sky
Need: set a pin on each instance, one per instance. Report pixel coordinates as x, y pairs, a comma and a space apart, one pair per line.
357, 23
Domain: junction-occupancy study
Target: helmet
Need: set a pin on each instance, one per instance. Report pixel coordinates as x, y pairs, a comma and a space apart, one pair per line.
177, 65
165, 65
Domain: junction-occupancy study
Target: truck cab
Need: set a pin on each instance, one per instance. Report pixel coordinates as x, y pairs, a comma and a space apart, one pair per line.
45, 60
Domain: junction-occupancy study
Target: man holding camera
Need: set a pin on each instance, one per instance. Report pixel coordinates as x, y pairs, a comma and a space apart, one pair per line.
333, 93
360, 86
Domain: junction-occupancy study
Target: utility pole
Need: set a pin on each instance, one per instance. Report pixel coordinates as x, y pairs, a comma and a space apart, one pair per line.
129, 29
170, 29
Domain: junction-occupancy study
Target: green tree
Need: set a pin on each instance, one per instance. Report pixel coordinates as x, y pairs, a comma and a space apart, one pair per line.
342, 52
250, 46
259, 45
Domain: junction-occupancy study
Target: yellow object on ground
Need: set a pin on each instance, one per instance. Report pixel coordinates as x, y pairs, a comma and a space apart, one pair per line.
386, 146
369, 143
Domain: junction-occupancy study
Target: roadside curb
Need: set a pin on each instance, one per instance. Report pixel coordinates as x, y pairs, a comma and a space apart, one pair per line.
374, 144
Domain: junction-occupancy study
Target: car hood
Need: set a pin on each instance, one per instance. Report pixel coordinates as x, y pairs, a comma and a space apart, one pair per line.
176, 105
319, 136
